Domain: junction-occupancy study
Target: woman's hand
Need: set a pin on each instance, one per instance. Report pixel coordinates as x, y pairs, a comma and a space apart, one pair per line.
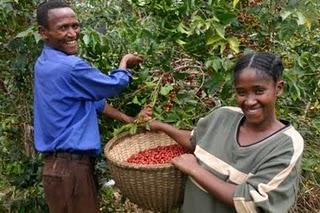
187, 163
144, 115
218, 188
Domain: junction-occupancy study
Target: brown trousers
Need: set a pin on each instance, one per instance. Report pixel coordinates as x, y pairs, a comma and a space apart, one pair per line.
69, 185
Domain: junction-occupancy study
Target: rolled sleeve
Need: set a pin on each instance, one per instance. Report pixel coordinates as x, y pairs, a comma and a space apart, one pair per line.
90, 83
100, 105
193, 137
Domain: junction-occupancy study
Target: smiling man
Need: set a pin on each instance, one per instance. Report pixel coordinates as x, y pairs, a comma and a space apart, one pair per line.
68, 94
61, 30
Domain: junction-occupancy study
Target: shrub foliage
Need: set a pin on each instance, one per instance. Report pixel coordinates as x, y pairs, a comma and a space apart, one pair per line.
189, 49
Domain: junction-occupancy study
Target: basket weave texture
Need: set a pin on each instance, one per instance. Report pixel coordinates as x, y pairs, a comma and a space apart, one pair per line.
157, 187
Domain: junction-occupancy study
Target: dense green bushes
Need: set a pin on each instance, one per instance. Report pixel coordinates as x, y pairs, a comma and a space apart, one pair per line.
189, 49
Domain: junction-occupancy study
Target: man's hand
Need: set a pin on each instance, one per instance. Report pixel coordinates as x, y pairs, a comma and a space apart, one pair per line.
130, 60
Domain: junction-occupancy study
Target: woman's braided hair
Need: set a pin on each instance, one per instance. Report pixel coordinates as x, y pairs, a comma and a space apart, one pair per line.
266, 63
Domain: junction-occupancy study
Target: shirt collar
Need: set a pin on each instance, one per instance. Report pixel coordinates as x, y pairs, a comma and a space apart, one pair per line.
51, 50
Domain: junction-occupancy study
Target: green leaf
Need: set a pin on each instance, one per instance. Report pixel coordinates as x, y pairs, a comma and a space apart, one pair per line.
37, 37
208, 63
25, 33
133, 129
216, 64
213, 40
86, 39
224, 16
136, 101
285, 14
165, 90
183, 29
148, 126
301, 18
234, 3
220, 30
179, 41
234, 44
150, 84
124, 128
308, 23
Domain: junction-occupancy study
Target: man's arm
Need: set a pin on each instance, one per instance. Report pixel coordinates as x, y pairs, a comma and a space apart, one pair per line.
114, 113
87, 82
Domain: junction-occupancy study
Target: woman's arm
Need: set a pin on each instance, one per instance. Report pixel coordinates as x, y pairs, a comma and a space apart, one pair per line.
220, 189
183, 137
188, 164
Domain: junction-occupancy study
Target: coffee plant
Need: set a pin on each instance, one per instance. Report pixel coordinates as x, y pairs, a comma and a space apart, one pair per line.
189, 49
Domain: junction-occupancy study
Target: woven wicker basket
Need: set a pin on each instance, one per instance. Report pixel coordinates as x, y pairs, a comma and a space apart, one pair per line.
154, 187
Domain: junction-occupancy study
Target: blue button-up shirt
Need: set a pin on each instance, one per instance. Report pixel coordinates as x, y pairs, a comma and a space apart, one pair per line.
68, 93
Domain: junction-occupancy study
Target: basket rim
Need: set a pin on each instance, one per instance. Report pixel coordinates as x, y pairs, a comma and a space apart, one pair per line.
123, 164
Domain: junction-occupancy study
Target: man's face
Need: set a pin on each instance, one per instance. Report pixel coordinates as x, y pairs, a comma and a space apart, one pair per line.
62, 31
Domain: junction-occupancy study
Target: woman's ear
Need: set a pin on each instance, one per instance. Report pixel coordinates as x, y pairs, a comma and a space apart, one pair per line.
280, 87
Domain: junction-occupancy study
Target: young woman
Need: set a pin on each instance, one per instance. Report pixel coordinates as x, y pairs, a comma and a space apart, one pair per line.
244, 158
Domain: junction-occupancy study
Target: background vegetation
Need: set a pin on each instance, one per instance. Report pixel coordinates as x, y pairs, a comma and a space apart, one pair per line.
189, 48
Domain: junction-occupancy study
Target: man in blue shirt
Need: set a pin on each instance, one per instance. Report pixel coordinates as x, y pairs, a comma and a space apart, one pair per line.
68, 94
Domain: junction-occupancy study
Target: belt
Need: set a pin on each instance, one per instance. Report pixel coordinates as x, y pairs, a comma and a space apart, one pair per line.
68, 155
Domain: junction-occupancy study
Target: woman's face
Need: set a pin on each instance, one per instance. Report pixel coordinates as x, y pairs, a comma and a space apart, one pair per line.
256, 95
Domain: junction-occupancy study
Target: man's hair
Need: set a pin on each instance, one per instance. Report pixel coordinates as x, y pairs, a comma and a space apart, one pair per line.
44, 7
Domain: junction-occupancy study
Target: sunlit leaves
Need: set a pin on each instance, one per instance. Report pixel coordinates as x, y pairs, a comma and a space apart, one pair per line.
165, 90
234, 44
212, 33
